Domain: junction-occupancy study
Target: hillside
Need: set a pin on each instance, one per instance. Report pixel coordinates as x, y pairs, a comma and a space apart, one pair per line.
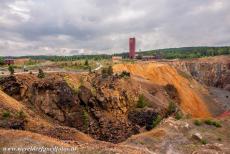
162, 74
138, 107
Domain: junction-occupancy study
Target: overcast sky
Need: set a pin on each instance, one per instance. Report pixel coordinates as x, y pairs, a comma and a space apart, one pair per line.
71, 27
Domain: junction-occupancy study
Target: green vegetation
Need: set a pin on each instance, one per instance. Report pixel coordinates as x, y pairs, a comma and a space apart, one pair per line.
187, 52
197, 122
41, 74
86, 62
11, 69
142, 102
1, 61
171, 53
85, 118
178, 116
207, 122
68, 58
171, 108
204, 141
110, 70
32, 62
156, 121
124, 74
212, 122
107, 71
21, 115
6, 114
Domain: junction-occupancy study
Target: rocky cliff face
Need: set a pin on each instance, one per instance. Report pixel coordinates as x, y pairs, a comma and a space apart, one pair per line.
99, 106
215, 74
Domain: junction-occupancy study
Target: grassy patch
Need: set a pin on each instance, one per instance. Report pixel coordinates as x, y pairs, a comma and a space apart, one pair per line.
142, 102
197, 122
85, 119
171, 108
21, 115
178, 116
204, 141
212, 123
156, 121
6, 114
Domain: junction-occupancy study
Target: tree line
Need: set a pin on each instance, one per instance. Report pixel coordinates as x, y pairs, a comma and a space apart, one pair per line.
170, 53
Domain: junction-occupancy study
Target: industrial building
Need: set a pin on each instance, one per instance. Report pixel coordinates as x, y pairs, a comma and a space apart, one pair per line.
9, 61
132, 48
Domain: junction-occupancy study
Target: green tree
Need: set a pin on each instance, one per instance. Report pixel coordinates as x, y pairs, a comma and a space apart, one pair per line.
1, 61
86, 62
41, 74
11, 69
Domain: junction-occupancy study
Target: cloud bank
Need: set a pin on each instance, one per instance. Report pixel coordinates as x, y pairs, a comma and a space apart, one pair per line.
72, 27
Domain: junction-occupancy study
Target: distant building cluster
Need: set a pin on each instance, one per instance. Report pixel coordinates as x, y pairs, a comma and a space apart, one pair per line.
9, 61
116, 58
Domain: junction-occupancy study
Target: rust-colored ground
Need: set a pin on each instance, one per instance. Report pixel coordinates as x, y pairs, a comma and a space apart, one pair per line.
163, 74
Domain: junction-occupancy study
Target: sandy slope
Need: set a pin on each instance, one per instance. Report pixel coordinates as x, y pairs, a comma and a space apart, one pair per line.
163, 74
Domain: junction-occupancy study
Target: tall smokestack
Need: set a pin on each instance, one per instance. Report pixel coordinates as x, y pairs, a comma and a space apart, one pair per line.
132, 48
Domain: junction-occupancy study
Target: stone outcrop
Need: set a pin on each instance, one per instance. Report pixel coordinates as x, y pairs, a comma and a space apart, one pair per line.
99, 107
215, 74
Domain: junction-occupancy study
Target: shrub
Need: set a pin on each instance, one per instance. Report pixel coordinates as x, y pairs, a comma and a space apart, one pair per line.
213, 123
171, 108
107, 71
110, 70
203, 141
85, 118
197, 122
178, 116
216, 124
11, 69
156, 121
124, 74
41, 74
208, 122
86, 63
6, 114
1, 61
141, 103
21, 115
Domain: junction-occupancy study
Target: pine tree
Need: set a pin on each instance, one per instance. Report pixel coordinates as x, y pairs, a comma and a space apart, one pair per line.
41, 74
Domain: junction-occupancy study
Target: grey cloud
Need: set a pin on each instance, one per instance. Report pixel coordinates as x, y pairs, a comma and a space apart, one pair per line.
102, 26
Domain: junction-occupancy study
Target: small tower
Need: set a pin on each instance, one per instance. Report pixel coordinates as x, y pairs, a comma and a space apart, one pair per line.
132, 48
